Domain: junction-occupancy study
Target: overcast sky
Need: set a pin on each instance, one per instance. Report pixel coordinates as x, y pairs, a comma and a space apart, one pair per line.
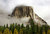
41, 7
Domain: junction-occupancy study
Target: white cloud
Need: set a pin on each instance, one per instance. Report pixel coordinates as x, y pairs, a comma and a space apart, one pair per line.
41, 7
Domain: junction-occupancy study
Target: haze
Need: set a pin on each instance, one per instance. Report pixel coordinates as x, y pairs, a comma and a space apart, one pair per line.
40, 7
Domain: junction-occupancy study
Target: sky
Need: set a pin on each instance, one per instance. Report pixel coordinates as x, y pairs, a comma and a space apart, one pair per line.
40, 7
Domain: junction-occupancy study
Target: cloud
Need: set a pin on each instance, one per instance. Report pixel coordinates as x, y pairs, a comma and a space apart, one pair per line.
41, 7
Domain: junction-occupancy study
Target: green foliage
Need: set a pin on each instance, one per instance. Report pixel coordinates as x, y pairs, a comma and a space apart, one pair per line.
22, 26
6, 31
48, 32
7, 26
15, 31
0, 32
28, 29
12, 27
21, 31
18, 27
2, 28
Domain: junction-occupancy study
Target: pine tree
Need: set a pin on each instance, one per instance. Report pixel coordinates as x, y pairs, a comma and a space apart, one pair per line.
1, 29
0, 32
6, 31
46, 28
24, 30
27, 29
43, 32
7, 26
32, 25
22, 26
10, 32
12, 27
16, 26
48, 32
15, 31
37, 28
21, 31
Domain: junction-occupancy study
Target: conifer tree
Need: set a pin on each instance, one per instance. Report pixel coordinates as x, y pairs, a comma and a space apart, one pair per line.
7, 26
10, 32
43, 32
12, 27
32, 25
6, 31
15, 31
21, 31
27, 29
16, 26
46, 28
22, 26
0, 32
48, 32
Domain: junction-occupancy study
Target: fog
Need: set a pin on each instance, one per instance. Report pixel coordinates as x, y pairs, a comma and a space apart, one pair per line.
40, 7
5, 19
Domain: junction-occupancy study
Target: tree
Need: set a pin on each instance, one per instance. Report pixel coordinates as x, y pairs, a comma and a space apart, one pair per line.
10, 32
30, 31
6, 31
27, 29
48, 32
0, 32
22, 26
43, 32
35, 29
16, 26
12, 27
46, 28
4, 26
15, 31
24, 30
7, 26
2, 29
21, 31
32, 25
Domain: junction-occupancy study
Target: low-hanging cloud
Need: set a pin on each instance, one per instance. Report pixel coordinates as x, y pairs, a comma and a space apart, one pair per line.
41, 7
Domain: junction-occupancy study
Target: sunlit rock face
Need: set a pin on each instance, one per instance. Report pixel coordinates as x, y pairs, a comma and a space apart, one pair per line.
22, 11
21, 14
39, 20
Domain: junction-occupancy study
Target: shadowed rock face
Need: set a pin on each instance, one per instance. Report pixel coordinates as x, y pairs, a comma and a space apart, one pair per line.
22, 11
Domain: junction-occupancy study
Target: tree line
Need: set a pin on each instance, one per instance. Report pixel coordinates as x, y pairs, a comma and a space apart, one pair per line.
28, 29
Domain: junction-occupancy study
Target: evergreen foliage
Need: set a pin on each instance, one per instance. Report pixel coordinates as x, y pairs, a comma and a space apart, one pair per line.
28, 29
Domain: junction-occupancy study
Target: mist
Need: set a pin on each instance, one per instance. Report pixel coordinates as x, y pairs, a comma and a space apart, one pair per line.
40, 7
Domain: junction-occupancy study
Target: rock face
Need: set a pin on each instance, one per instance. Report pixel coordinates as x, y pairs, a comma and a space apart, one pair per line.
27, 11
23, 11
39, 20
21, 14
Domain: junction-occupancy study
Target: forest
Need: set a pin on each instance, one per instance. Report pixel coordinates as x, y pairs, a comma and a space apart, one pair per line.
28, 29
